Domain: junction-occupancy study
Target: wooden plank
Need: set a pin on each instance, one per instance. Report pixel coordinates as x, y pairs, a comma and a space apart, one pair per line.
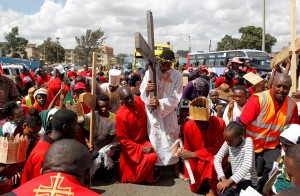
150, 30
293, 47
92, 117
143, 48
150, 34
283, 55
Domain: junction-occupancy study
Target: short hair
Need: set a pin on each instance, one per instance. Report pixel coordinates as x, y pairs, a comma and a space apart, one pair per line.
68, 156
62, 117
229, 75
291, 191
293, 153
236, 128
80, 79
168, 54
33, 118
240, 88
9, 108
101, 97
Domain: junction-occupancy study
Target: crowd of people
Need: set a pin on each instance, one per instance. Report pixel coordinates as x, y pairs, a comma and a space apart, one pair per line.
236, 133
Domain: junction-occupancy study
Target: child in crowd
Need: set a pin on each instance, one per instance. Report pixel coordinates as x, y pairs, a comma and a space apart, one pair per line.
13, 111
288, 138
241, 156
41, 99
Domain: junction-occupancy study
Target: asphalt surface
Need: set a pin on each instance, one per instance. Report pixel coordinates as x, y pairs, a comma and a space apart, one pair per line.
167, 185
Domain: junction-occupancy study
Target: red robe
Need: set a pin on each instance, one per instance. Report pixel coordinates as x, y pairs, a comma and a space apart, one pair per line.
35, 160
86, 73
41, 81
205, 144
131, 131
53, 183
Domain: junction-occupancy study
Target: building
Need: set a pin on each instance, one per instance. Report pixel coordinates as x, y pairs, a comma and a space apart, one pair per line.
107, 50
33, 53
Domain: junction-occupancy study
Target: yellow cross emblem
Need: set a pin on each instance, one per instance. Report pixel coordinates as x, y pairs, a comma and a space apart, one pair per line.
54, 189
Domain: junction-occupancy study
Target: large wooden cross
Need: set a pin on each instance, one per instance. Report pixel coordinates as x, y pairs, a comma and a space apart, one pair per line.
147, 49
294, 47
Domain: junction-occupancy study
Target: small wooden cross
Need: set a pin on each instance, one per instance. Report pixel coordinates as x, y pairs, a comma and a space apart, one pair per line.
90, 100
147, 49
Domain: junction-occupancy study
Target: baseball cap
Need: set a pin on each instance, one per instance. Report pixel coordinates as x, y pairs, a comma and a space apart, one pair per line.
60, 68
236, 60
31, 90
79, 85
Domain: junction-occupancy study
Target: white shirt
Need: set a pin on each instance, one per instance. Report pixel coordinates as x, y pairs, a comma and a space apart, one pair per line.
237, 110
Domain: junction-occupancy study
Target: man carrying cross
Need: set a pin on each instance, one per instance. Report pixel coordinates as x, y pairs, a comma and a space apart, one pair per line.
162, 125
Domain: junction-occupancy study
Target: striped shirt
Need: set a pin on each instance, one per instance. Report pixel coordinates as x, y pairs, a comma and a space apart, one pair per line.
242, 161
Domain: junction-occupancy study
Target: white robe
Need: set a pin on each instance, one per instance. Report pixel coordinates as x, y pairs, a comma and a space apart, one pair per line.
162, 124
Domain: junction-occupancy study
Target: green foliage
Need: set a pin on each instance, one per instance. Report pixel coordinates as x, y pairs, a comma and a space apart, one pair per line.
228, 43
88, 43
52, 51
251, 38
16, 45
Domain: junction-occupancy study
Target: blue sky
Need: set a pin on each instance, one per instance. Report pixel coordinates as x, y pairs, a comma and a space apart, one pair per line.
24, 6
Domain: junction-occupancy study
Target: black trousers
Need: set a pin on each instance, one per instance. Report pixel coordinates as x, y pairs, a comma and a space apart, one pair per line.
236, 192
264, 164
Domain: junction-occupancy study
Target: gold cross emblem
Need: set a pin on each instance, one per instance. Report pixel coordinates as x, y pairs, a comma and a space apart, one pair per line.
55, 189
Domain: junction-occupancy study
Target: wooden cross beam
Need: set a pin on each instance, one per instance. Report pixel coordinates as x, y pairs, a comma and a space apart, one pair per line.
147, 49
294, 47
284, 53
90, 100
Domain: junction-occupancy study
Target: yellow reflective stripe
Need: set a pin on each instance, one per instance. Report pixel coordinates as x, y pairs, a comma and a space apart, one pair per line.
258, 136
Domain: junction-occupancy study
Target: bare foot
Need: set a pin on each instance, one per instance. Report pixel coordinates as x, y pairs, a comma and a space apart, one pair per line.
182, 177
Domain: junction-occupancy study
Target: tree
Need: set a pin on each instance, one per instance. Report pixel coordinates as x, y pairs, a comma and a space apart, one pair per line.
88, 43
16, 45
251, 38
52, 50
121, 57
228, 43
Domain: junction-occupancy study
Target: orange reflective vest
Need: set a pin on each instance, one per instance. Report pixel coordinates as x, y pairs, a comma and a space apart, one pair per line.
266, 128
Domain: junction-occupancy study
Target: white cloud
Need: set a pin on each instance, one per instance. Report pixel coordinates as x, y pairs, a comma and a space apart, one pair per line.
120, 19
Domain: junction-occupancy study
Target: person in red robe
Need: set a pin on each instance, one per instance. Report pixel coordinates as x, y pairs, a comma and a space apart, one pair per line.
86, 71
55, 84
64, 173
26, 75
137, 157
202, 141
43, 79
64, 125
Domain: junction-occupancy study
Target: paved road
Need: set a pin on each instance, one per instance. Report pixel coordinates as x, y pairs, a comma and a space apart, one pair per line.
165, 187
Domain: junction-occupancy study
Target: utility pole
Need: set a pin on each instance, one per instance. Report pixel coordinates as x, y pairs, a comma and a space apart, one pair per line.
190, 46
57, 38
264, 26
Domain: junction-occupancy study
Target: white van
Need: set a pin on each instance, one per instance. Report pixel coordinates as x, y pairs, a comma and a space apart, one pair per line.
11, 71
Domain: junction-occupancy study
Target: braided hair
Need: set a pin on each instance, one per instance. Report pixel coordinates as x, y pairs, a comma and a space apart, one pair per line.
236, 128
32, 120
